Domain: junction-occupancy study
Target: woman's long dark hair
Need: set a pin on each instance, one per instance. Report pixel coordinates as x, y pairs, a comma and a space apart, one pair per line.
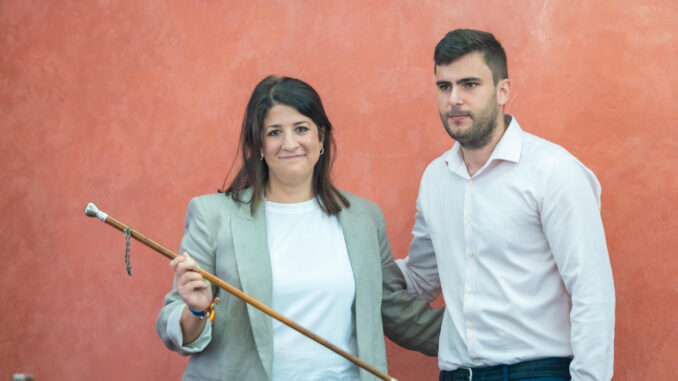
253, 172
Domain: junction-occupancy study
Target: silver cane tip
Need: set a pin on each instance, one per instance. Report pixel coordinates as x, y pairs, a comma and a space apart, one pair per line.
91, 210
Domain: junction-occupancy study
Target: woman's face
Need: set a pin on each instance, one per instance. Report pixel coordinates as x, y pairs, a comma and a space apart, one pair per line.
291, 146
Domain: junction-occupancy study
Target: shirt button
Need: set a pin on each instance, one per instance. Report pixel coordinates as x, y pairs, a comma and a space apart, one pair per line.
468, 290
469, 324
476, 361
467, 218
469, 254
469, 183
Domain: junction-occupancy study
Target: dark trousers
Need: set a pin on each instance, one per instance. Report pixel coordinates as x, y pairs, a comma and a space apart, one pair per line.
548, 369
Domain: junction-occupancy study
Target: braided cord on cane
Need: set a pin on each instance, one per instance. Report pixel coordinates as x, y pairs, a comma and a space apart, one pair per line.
128, 263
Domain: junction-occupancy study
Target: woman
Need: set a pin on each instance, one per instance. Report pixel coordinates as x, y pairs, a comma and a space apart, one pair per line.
286, 236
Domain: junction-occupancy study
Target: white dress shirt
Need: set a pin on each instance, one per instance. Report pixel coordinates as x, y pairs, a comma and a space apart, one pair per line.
518, 251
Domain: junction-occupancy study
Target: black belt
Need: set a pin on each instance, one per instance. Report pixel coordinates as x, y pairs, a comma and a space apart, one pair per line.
548, 367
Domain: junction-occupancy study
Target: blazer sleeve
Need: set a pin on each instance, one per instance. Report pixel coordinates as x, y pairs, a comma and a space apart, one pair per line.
408, 320
198, 243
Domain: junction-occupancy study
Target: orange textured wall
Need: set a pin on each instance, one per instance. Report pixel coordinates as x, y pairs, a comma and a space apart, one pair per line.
136, 105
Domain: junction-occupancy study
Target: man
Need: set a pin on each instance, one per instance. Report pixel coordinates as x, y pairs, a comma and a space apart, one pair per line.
508, 228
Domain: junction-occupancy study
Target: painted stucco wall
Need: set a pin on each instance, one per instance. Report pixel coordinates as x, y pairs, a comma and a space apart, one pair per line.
137, 105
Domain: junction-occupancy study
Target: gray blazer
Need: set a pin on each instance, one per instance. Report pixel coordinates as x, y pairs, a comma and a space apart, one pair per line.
226, 240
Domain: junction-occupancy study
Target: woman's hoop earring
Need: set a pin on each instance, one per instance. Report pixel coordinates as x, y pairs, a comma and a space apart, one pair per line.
322, 151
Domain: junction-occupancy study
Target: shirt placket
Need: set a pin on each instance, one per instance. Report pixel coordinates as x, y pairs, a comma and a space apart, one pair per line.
469, 276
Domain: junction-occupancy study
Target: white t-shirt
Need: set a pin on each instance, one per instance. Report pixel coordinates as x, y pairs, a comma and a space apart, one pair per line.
313, 285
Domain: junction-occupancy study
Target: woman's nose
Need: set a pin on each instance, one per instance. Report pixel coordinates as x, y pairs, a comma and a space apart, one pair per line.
289, 142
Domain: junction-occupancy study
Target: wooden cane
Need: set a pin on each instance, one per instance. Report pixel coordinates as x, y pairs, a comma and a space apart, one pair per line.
93, 211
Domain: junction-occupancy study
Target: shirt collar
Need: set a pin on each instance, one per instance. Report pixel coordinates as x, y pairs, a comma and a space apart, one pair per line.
510, 144
508, 148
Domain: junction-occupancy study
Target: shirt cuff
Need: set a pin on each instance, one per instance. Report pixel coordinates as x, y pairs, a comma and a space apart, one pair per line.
402, 264
175, 335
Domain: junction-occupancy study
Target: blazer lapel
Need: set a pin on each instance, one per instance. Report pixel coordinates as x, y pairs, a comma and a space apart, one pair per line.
250, 242
357, 232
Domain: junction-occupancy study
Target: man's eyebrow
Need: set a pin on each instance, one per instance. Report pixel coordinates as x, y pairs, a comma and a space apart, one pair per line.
459, 81
469, 79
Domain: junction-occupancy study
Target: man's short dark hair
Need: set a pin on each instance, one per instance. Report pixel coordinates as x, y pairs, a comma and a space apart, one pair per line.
461, 42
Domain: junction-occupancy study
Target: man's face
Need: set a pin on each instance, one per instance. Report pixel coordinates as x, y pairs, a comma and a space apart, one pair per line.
468, 100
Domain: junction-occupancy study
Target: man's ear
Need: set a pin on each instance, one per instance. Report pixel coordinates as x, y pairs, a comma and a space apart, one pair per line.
503, 91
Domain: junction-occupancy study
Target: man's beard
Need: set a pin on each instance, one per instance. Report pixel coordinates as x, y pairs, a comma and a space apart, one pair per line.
481, 131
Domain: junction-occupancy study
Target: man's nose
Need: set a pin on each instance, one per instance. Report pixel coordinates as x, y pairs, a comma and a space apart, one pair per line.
456, 96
